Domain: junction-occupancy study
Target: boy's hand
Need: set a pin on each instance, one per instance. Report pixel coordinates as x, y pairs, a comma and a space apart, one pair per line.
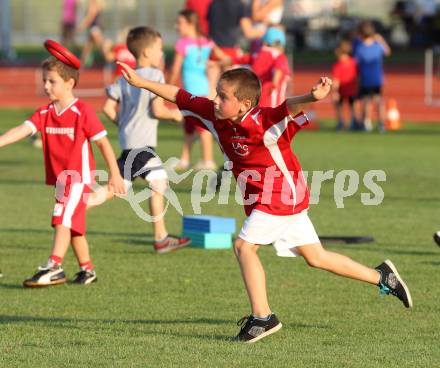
322, 89
130, 75
116, 184
177, 116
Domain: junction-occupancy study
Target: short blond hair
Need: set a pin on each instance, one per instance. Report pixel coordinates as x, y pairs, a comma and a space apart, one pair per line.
140, 38
247, 84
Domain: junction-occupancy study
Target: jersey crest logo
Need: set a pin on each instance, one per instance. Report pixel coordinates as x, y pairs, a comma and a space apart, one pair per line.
240, 149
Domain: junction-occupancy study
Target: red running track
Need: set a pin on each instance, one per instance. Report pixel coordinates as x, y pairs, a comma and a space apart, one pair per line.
20, 88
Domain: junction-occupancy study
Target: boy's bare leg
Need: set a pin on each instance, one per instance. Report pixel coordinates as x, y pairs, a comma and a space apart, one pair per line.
253, 276
353, 112
61, 241
339, 115
99, 196
318, 257
185, 156
206, 144
157, 208
364, 109
87, 274
81, 249
379, 108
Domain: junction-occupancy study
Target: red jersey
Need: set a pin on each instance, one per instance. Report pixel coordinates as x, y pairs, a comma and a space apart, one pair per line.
123, 54
266, 169
66, 137
346, 72
264, 65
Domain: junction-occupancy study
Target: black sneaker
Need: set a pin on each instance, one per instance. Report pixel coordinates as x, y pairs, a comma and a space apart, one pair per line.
85, 277
391, 283
48, 275
254, 329
437, 238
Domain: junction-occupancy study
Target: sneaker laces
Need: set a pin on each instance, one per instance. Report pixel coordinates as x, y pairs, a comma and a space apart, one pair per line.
50, 264
243, 321
172, 240
384, 289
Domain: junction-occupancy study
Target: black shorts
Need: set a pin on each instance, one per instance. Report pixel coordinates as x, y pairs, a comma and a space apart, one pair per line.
370, 91
140, 163
349, 99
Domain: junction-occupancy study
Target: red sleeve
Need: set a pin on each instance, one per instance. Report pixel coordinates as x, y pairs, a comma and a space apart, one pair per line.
93, 127
35, 120
277, 115
196, 110
201, 106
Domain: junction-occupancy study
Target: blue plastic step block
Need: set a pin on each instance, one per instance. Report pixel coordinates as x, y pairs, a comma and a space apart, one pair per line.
209, 240
209, 224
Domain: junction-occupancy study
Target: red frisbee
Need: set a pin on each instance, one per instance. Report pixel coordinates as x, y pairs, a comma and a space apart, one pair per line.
62, 54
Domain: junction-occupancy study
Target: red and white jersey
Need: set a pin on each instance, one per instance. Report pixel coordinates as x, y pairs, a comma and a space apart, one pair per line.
267, 61
263, 162
66, 137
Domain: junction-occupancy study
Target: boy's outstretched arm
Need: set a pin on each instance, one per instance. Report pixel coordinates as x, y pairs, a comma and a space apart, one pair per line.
319, 91
166, 91
115, 180
15, 134
161, 111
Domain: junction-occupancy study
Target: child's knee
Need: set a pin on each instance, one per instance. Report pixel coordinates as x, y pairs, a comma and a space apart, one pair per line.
159, 185
314, 261
313, 255
241, 246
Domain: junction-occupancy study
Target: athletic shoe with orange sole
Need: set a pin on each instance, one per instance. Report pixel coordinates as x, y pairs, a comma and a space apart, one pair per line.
48, 275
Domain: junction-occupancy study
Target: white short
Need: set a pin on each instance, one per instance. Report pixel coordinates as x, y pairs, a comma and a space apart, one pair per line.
284, 232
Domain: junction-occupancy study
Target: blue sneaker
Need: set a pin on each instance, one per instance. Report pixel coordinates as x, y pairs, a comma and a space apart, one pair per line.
391, 283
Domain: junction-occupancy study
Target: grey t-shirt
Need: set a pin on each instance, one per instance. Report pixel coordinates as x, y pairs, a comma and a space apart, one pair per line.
136, 122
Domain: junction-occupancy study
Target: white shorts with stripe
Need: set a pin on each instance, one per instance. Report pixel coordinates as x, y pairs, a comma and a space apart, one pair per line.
284, 232
70, 207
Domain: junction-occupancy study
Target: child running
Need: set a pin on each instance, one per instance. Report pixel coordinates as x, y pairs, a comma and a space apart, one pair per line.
257, 143
67, 127
136, 114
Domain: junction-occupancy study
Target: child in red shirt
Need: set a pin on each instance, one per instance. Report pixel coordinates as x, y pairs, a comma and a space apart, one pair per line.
272, 68
256, 142
67, 127
345, 73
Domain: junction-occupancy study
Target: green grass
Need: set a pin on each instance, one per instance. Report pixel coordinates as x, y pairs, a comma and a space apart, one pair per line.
179, 310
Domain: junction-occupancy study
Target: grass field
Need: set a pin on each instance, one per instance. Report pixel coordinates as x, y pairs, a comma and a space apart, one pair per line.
179, 310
